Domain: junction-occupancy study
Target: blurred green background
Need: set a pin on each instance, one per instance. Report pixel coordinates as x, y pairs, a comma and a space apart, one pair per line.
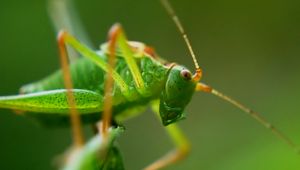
248, 49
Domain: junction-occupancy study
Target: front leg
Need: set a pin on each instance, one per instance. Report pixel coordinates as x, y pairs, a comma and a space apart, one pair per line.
181, 150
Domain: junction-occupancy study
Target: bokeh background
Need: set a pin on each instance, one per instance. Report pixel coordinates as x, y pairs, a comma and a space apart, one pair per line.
248, 49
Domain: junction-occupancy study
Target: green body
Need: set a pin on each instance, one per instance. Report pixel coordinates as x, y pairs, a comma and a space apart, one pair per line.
88, 76
46, 99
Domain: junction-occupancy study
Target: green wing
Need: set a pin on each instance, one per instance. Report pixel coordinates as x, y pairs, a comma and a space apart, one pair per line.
51, 108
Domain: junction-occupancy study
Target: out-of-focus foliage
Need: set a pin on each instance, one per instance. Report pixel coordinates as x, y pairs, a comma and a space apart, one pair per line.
98, 154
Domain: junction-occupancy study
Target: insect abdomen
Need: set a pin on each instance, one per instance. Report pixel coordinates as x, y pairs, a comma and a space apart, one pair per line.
85, 75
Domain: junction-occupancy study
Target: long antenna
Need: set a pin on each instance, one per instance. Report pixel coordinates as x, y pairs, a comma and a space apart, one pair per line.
178, 24
253, 114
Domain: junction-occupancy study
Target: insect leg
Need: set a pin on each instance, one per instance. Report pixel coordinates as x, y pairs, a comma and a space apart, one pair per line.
182, 146
75, 118
117, 35
63, 14
68, 39
107, 109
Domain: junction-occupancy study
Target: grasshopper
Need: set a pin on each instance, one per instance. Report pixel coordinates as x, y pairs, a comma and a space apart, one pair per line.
112, 85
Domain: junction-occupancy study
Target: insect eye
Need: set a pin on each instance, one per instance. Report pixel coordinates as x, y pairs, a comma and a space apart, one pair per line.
186, 74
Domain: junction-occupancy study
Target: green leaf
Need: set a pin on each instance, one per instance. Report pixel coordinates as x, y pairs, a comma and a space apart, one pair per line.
97, 154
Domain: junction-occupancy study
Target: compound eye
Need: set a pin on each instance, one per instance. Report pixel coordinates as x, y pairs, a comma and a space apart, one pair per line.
186, 74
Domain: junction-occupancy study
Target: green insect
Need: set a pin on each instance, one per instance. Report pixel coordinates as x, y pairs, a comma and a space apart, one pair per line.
111, 85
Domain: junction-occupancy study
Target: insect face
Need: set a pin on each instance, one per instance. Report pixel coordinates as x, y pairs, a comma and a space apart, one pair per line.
177, 94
